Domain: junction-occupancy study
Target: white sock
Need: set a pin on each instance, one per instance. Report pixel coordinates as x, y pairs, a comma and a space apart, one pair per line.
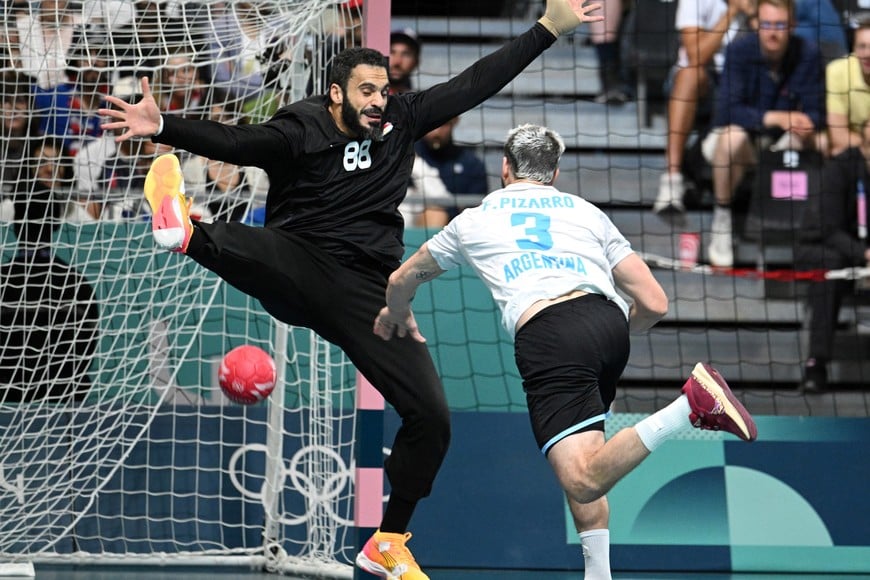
661, 425
596, 554
721, 219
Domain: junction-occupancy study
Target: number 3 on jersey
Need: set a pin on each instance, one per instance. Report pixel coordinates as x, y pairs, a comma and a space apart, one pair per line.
356, 155
536, 226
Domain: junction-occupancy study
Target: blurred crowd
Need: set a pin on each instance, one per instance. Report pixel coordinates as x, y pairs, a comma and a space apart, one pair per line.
229, 62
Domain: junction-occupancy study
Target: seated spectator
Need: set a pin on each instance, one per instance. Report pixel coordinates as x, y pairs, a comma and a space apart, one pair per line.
229, 192
819, 23
425, 190
771, 95
848, 91
141, 42
604, 35
69, 110
17, 131
447, 167
241, 36
49, 171
47, 309
44, 40
178, 89
110, 176
833, 236
706, 27
404, 60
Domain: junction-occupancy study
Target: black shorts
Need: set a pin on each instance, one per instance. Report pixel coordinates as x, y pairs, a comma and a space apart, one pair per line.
570, 356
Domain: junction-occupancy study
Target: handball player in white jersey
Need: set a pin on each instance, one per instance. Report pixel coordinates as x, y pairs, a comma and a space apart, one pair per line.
555, 265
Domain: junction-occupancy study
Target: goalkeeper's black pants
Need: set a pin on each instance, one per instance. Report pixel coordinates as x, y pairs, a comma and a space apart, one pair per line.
301, 285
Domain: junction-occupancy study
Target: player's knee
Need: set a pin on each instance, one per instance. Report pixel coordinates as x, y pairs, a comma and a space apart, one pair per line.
438, 425
582, 486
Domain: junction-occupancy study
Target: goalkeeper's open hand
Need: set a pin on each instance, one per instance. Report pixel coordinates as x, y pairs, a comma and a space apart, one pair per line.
563, 16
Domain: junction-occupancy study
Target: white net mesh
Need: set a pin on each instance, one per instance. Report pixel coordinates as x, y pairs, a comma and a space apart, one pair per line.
116, 440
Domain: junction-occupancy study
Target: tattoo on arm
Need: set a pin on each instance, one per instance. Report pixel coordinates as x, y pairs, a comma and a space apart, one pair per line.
424, 275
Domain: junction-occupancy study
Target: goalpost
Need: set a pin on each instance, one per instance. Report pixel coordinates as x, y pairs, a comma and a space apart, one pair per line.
118, 446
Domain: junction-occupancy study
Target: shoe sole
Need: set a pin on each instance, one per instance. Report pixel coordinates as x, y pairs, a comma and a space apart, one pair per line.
364, 563
163, 185
711, 381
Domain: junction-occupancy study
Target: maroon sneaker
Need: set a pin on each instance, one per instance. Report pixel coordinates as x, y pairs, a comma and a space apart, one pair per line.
714, 406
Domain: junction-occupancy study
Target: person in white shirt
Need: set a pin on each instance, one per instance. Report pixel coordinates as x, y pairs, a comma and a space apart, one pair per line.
44, 33
557, 268
706, 27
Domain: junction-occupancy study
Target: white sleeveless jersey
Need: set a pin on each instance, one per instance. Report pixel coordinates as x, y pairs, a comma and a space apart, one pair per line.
532, 242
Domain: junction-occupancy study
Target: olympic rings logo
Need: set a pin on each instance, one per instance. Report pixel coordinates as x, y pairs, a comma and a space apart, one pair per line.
321, 492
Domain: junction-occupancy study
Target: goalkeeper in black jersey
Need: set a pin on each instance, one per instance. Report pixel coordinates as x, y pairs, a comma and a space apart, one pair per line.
338, 165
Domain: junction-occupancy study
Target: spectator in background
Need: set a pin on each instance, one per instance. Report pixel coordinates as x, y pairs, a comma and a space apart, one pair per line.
47, 309
141, 43
17, 131
44, 40
229, 191
111, 190
833, 236
404, 59
179, 88
447, 167
818, 23
771, 95
706, 27
848, 91
245, 41
110, 176
604, 35
69, 110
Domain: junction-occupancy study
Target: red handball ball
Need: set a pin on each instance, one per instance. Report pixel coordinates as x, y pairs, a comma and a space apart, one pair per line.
247, 375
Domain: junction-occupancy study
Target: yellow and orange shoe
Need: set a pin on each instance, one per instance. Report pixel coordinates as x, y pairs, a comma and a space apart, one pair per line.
170, 211
387, 556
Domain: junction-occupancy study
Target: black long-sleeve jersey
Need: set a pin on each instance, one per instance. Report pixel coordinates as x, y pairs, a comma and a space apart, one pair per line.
343, 193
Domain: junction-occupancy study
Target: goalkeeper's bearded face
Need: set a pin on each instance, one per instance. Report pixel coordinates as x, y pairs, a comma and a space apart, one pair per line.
364, 101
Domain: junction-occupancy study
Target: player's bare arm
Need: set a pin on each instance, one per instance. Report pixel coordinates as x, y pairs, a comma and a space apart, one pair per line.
139, 120
396, 318
649, 301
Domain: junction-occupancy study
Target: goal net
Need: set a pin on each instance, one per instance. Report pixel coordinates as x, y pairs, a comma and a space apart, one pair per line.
117, 442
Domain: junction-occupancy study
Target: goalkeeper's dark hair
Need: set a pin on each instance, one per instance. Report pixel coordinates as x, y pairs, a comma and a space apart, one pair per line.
345, 61
533, 152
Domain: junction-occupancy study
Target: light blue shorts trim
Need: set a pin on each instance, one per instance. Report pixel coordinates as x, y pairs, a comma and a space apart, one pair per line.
573, 429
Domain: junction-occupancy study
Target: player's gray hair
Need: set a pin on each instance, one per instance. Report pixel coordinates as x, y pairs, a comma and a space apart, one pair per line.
533, 152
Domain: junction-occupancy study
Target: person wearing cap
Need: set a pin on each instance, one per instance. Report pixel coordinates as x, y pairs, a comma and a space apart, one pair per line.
404, 59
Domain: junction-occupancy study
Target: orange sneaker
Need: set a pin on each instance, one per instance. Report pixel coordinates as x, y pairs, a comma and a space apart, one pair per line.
170, 211
387, 556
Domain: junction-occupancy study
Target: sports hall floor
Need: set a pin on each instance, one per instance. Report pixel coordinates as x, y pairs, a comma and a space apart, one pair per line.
143, 573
